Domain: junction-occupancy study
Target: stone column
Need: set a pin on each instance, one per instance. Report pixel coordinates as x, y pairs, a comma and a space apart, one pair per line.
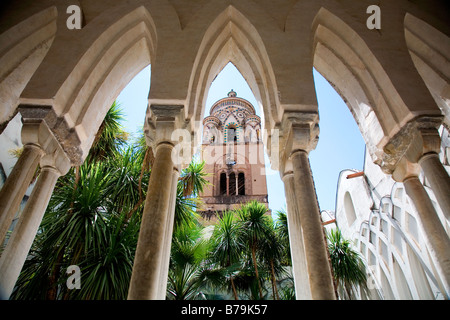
424, 147
146, 277
301, 135
15, 254
53, 164
439, 180
299, 270
16, 185
168, 236
146, 274
436, 237
320, 277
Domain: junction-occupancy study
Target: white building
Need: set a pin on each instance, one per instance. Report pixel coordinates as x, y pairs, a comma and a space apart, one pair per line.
376, 213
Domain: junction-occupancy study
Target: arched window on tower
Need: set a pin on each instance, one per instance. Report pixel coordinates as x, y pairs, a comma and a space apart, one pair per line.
223, 184
241, 184
231, 134
232, 184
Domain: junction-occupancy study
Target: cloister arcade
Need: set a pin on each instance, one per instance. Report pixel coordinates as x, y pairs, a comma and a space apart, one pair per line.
395, 81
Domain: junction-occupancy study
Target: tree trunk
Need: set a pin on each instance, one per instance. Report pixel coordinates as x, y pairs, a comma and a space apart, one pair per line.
234, 288
274, 283
52, 290
145, 167
256, 270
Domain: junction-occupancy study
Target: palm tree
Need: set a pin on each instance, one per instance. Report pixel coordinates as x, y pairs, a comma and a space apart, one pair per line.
190, 185
348, 267
110, 136
192, 179
282, 231
93, 220
253, 220
73, 225
87, 204
272, 251
187, 253
227, 245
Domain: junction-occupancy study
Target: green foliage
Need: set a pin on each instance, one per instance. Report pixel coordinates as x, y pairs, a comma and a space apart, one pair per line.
93, 219
192, 179
348, 267
187, 253
245, 256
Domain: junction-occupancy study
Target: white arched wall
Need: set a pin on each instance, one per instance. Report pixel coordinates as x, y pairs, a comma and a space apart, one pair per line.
430, 51
390, 241
108, 63
22, 49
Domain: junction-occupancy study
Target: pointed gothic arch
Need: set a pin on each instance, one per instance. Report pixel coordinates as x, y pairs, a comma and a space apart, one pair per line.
343, 57
232, 38
430, 52
99, 70
22, 49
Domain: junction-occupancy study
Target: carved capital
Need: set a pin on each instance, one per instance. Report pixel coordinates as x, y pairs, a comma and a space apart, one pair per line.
301, 131
36, 132
163, 124
416, 138
36, 118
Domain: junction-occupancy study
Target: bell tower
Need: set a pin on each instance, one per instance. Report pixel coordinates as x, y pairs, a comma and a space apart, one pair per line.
233, 152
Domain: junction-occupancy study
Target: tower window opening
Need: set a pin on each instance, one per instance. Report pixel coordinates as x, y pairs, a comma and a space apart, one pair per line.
231, 134
241, 184
223, 184
232, 184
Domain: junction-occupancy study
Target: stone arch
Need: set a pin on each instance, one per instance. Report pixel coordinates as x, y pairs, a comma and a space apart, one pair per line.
109, 58
231, 37
343, 57
22, 49
430, 52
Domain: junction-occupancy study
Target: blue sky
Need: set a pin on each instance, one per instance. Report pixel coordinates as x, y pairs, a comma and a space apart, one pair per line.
340, 143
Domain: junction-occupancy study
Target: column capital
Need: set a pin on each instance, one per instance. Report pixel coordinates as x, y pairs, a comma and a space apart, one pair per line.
161, 121
413, 140
300, 131
35, 132
426, 141
45, 116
